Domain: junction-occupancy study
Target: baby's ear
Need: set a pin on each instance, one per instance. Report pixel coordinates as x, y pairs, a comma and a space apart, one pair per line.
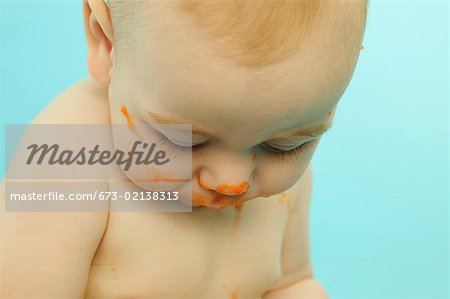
99, 37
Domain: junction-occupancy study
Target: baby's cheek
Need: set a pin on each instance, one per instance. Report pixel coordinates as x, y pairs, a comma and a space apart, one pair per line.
150, 165
277, 176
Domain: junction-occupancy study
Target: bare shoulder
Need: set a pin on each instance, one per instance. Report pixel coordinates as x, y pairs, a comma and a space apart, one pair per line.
53, 251
85, 102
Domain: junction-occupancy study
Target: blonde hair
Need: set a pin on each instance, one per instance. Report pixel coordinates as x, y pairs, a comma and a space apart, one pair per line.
254, 33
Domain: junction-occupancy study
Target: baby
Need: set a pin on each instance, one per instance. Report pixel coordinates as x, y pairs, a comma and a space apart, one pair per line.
259, 80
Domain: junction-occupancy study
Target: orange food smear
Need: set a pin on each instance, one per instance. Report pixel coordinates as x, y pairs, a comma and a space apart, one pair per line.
234, 296
253, 158
127, 115
217, 202
289, 205
175, 180
222, 203
232, 190
238, 207
159, 176
156, 180
198, 199
282, 197
203, 184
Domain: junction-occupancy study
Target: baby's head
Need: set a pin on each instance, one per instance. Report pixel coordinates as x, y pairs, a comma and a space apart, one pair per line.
258, 80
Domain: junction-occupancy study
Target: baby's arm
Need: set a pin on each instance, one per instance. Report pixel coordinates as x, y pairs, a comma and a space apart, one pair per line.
297, 279
48, 255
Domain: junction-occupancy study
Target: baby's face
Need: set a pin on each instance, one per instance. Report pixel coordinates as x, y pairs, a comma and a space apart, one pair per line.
254, 130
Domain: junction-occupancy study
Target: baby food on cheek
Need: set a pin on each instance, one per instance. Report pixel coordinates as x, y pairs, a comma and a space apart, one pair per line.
127, 115
253, 158
130, 121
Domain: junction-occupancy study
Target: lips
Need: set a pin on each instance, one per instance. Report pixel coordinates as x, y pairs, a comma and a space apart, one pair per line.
217, 202
226, 189
233, 190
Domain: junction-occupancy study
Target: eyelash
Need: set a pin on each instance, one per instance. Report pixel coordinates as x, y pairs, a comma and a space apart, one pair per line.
290, 154
172, 146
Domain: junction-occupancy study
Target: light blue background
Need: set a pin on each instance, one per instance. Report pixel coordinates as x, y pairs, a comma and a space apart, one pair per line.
379, 217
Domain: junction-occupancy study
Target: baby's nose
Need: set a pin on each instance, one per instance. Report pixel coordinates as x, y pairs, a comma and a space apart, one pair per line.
230, 174
226, 179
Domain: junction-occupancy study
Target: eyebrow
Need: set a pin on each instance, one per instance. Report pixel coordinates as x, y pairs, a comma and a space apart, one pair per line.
313, 132
168, 120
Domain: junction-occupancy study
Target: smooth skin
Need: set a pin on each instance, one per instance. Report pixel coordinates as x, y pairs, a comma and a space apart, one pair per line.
260, 251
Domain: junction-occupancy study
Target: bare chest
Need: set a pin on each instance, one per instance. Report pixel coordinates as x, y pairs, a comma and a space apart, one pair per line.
203, 254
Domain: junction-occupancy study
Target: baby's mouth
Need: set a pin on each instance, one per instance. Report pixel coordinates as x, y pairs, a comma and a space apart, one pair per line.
217, 202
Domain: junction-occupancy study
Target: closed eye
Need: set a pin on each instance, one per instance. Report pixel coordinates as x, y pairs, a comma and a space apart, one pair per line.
180, 146
280, 153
